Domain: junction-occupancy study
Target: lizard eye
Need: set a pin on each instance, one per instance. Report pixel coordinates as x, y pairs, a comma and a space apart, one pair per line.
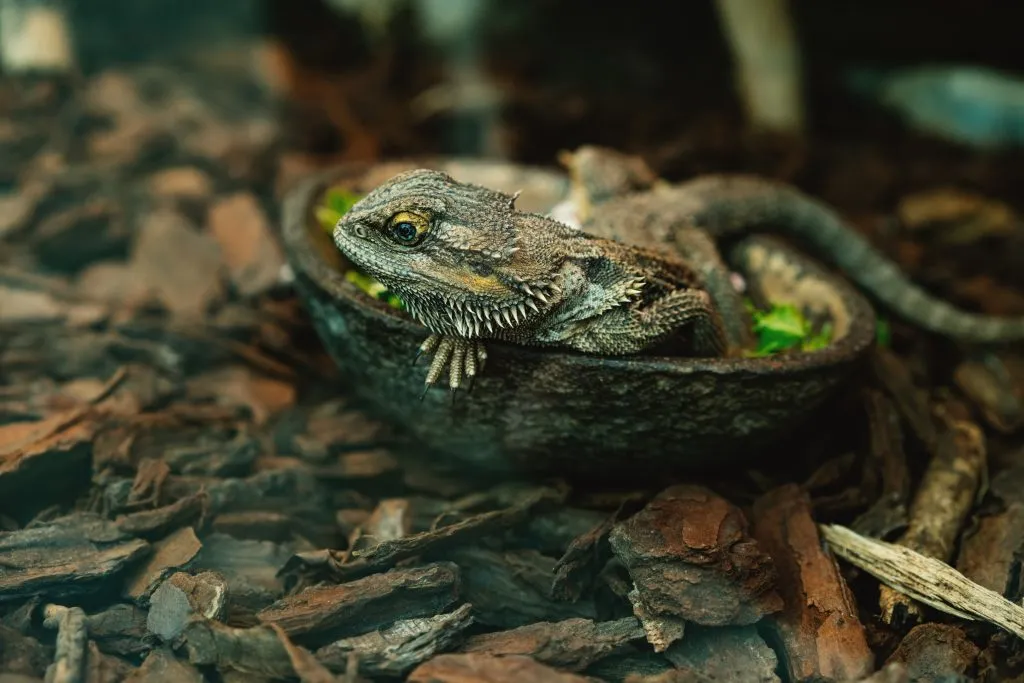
408, 228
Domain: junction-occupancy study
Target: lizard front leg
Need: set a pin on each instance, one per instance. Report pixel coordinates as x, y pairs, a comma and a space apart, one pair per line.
630, 330
464, 359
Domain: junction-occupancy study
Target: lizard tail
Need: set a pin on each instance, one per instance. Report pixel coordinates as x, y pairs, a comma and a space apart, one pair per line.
728, 206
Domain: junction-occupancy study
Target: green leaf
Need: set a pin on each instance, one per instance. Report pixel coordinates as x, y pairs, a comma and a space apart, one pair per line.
883, 333
337, 203
782, 328
373, 288
820, 340
327, 218
341, 200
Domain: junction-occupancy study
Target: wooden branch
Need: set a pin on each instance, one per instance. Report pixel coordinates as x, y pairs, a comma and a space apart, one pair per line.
943, 501
924, 579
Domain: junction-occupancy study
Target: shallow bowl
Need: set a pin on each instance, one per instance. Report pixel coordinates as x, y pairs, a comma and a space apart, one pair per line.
565, 413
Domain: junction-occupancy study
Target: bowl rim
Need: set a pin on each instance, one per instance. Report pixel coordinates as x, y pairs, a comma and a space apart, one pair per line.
294, 229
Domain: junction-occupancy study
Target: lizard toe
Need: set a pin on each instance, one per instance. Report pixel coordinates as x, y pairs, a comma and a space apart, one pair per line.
462, 358
426, 348
457, 364
441, 358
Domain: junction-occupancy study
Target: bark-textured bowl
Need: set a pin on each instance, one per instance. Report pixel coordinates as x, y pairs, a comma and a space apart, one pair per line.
553, 412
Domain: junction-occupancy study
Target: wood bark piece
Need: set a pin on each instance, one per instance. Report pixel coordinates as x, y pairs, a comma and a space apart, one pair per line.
98, 225
389, 521
334, 426
21, 654
152, 524
888, 459
552, 532
68, 556
895, 672
44, 461
924, 579
821, 635
150, 475
691, 557
168, 555
633, 666
255, 651
320, 614
395, 650
991, 386
251, 254
661, 629
276, 527
250, 570
217, 454
242, 386
306, 666
727, 653
167, 239
120, 629
271, 489
103, 668
891, 372
386, 554
935, 652
360, 466
992, 553
573, 644
582, 561
181, 182
944, 499
181, 598
161, 666
480, 668
513, 588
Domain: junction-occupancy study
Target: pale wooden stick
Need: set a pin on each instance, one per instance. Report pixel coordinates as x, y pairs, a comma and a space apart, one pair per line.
924, 579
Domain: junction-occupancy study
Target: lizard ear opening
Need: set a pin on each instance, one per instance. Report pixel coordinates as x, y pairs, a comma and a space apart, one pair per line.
408, 228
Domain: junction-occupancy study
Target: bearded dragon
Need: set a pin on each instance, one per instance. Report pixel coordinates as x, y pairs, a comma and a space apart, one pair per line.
643, 269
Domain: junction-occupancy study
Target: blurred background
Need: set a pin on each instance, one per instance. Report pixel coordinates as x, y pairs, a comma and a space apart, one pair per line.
858, 102
145, 149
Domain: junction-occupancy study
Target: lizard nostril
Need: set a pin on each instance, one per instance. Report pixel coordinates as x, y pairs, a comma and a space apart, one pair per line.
359, 231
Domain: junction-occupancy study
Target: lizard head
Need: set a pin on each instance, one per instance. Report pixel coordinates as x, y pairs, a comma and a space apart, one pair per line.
452, 252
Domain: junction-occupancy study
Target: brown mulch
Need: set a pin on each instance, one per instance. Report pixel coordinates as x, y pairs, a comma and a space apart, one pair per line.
185, 494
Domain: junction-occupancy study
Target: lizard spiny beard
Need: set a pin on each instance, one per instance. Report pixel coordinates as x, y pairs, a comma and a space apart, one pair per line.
464, 317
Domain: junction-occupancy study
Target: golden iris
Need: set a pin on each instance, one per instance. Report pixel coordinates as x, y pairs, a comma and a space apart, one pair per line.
408, 228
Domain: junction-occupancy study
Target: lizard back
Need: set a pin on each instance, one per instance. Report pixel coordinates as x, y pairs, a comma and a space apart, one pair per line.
730, 206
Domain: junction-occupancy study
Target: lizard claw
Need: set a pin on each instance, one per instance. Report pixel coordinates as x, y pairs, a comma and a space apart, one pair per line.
428, 346
463, 359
